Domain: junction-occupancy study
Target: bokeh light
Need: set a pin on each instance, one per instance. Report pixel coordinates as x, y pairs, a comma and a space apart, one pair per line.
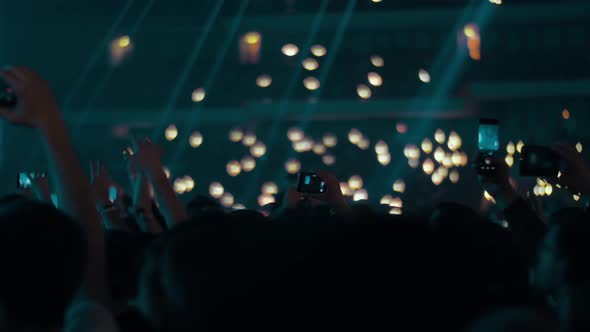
198, 95
249, 139
179, 186
401, 128
290, 49
236, 135
385, 200
565, 114
293, 166
439, 136
196, 139
265, 199
360, 195
345, 189
399, 186
426, 145
579, 147
381, 147
171, 132
318, 50
454, 142
384, 159
319, 149
258, 150
216, 189
436, 178
424, 76
377, 61
238, 206
439, 154
167, 172
510, 148
363, 91
264, 81
396, 202
328, 160
414, 163
310, 64
270, 188
295, 134
448, 160
355, 136
227, 200
454, 176
364, 143
509, 160
330, 140
428, 166
233, 168
355, 182
311, 83
124, 41
375, 79
248, 163
519, 146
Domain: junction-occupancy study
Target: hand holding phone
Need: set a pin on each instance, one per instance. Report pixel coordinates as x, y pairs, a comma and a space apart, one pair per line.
310, 183
539, 161
488, 146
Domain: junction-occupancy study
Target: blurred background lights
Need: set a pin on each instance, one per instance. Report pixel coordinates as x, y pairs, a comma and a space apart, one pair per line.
377, 61
436, 178
119, 49
264, 81
396, 202
189, 183
167, 172
238, 206
124, 41
439, 136
265, 199
303, 146
196, 139
258, 150
424, 76
442, 171
318, 50
414, 163
319, 149
227, 200
565, 114
171, 132
401, 128
355, 136
454, 176
250, 45
248, 163
198, 95
385, 200
295, 134
428, 166
311, 83
216, 189
252, 37
293, 166
579, 147
249, 139
399, 186
233, 168
448, 160
364, 143
510, 148
496, 2
270, 188
454, 142
509, 160
345, 189
375, 79
395, 211
426, 145
457, 158
310, 64
290, 50
411, 151
384, 159
381, 147
360, 195
330, 140
363, 91
355, 182
236, 135
439, 154
519, 146
179, 186
328, 159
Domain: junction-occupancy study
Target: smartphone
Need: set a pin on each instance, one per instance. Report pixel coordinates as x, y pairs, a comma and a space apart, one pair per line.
7, 95
23, 180
539, 161
488, 135
310, 183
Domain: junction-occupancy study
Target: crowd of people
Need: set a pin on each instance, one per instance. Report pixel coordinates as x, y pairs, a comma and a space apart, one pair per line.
146, 262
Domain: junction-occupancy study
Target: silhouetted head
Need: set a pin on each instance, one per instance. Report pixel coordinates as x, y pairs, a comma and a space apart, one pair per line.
43, 255
201, 204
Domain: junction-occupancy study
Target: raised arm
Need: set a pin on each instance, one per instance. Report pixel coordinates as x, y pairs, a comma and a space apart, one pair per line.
37, 108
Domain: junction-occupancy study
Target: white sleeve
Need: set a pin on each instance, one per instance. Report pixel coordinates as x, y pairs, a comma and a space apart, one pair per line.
89, 317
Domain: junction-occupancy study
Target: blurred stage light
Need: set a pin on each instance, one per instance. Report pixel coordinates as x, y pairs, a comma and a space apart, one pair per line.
189, 183
375, 79
295, 134
395, 211
377, 61
345, 189
457, 158
448, 160
519, 146
233, 168
510, 148
236, 135
381, 147
304, 145
355, 182
454, 176
376, 1
442, 171
426, 145
119, 49
330, 140
196, 139
385, 200
428, 166
454, 142
364, 143
384, 159
265, 199
464, 159
360, 195
401, 128
424, 76
565, 114
293, 166
399, 186
216, 189
439, 136
270, 188
248, 163
328, 160
548, 189
411, 151
509, 160
355, 136
124, 41
227, 200
318, 50
179, 186
496, 2
258, 150
290, 49
319, 149
250, 45
310, 64
264, 81
171, 132
238, 206
439, 154
579, 147
198, 95
167, 172
576, 197
311, 83
396, 202
414, 163
436, 178
363, 91
249, 139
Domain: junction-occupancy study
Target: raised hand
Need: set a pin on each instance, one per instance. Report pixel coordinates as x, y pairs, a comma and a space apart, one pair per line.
147, 156
576, 175
36, 106
101, 183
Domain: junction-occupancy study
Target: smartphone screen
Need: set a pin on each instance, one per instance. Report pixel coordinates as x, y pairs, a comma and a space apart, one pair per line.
488, 136
310, 183
24, 180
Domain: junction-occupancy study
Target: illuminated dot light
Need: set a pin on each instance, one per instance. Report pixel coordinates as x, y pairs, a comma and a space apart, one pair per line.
363, 91
198, 95
233, 168
439, 136
264, 81
179, 186
167, 172
399, 186
548, 190
189, 183
364, 144
428, 166
579, 147
510, 148
496, 2
330, 140
311, 83
310, 64
424, 76
252, 38
238, 206
381, 147
489, 197
395, 211
519, 146
414, 163
248, 163
509, 160
319, 149
236, 135
258, 150
457, 158
124, 41
227, 200
303, 145
290, 50
318, 50
270, 188
436, 178
377, 61
360, 195
439, 154
216, 189
265, 199
295, 134
411, 151
426, 145
448, 160
196, 139
328, 160
355, 182
443, 171
345, 189
249, 139
384, 159
454, 176
385, 200
171, 132
376, 1
355, 136
565, 114
454, 141
396, 203
292, 166
375, 79
401, 128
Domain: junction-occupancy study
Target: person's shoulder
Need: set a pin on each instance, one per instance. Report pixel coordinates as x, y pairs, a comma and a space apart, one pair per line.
89, 316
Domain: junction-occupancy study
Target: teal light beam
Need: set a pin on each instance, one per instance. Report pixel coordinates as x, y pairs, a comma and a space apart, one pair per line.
272, 136
195, 114
186, 69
